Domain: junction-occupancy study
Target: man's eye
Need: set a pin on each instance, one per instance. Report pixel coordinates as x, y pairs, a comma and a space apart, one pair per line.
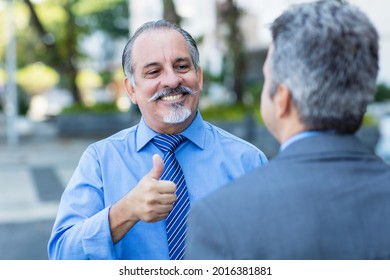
152, 73
183, 67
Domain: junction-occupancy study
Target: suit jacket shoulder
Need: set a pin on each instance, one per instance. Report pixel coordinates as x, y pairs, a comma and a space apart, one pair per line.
324, 197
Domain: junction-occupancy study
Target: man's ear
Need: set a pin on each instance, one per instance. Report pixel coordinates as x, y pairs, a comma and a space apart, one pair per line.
130, 90
200, 78
283, 100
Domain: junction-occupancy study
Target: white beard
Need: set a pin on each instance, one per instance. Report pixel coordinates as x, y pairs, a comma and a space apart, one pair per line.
177, 114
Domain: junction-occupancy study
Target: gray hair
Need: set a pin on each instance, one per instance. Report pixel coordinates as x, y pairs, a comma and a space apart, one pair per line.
127, 59
326, 52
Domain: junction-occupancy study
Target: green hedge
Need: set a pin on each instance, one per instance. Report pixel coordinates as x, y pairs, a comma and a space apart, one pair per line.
231, 112
382, 93
99, 108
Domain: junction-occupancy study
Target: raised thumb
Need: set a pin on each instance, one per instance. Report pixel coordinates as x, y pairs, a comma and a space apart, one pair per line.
158, 167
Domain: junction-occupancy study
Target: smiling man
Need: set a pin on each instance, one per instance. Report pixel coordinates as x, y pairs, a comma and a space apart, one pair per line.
164, 81
131, 192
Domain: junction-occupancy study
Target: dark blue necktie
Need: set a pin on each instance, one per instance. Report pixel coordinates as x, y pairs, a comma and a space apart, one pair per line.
176, 221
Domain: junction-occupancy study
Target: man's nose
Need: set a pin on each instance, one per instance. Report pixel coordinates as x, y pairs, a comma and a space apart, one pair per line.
171, 79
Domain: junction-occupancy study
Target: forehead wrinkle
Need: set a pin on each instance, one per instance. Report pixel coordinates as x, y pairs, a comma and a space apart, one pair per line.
164, 49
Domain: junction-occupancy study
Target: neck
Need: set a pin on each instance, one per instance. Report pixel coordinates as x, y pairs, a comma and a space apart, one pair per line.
289, 128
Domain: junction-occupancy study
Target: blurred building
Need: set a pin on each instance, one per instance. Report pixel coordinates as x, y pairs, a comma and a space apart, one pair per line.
200, 19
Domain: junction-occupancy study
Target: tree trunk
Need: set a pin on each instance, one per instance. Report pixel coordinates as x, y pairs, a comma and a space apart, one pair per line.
235, 58
70, 58
64, 64
170, 13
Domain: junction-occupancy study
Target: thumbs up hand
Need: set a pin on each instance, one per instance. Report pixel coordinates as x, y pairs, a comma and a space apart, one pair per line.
158, 167
152, 199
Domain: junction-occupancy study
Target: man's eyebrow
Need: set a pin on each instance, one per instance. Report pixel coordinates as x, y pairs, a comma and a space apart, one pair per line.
181, 59
151, 64
177, 60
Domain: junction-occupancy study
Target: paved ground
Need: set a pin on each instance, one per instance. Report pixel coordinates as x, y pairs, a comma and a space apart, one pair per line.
33, 174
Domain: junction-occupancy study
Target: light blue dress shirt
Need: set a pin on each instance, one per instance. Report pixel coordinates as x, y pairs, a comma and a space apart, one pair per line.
112, 167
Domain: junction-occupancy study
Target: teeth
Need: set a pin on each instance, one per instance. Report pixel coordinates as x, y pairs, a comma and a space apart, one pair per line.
172, 97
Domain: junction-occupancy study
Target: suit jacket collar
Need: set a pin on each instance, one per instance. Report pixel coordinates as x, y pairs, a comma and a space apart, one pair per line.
324, 144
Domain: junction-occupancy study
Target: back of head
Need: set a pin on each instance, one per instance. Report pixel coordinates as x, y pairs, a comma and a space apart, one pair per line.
326, 52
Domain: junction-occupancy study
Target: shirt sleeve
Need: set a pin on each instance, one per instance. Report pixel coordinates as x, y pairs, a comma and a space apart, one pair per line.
253, 158
263, 158
81, 229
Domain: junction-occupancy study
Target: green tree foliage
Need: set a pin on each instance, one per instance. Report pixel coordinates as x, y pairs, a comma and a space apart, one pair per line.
382, 93
55, 28
109, 16
235, 60
36, 78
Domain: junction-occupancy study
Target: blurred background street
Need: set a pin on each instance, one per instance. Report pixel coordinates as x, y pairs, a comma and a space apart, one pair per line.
33, 175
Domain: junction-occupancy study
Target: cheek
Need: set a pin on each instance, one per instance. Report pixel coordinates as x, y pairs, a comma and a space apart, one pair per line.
145, 91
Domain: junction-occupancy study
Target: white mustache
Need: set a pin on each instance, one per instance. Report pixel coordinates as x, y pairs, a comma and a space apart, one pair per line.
179, 89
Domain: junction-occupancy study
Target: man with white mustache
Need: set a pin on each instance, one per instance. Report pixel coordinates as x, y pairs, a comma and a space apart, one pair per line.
178, 112
115, 205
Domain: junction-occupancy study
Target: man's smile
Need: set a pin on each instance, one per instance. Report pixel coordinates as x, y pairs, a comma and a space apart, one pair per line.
171, 97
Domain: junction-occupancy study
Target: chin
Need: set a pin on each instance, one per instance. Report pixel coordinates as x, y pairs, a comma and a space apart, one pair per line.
177, 115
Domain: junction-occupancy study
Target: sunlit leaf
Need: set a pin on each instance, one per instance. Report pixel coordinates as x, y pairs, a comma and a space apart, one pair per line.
50, 13
3, 76
88, 79
37, 78
86, 7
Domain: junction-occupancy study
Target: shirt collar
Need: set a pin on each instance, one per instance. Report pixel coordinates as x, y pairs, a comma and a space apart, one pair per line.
195, 132
301, 135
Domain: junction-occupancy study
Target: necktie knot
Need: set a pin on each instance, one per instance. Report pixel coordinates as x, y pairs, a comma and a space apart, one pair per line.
168, 142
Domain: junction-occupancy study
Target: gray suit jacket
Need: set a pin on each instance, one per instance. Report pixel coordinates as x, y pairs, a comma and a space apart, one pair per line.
323, 197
